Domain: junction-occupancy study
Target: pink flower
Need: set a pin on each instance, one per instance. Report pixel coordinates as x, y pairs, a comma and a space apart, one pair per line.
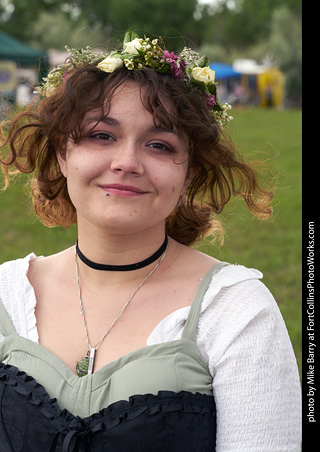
176, 68
169, 57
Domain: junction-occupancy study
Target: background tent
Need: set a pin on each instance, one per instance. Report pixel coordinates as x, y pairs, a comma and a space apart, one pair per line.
13, 50
228, 79
264, 85
224, 71
21, 67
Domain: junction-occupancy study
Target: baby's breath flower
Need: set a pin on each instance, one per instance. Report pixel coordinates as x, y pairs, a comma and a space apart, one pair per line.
129, 64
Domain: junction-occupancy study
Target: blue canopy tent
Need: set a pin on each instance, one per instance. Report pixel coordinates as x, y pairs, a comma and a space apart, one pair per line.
227, 77
224, 71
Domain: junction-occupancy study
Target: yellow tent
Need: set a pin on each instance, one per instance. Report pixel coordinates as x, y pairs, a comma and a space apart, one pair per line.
271, 88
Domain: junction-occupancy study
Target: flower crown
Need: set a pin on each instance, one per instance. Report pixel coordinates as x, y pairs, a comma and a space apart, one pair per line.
139, 53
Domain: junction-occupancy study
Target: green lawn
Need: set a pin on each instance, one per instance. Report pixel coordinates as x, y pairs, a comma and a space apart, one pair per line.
273, 247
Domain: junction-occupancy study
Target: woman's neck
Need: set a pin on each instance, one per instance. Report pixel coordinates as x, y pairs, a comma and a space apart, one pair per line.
117, 249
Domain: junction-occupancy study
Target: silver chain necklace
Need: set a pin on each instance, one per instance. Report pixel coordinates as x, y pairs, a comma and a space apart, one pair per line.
85, 365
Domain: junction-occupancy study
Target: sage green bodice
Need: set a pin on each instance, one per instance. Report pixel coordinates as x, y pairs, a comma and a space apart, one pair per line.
171, 366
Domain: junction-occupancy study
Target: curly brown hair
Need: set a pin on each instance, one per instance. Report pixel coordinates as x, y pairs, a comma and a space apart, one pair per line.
34, 137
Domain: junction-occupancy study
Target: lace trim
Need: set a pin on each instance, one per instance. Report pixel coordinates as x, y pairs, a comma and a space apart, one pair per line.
69, 425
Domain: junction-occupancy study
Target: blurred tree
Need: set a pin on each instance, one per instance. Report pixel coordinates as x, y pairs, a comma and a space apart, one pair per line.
159, 17
240, 23
54, 30
236, 23
252, 20
285, 47
153, 18
19, 16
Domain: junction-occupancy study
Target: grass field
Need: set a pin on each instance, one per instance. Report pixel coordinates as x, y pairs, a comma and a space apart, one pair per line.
273, 247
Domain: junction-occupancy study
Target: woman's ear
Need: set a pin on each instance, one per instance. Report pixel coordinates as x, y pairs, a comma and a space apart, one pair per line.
62, 160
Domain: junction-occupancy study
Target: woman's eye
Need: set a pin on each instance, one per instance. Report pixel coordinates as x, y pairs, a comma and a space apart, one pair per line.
160, 147
102, 136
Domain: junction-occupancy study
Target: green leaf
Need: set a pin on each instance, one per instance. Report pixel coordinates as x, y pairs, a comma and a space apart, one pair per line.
164, 68
212, 88
217, 106
130, 36
129, 56
115, 54
201, 85
203, 61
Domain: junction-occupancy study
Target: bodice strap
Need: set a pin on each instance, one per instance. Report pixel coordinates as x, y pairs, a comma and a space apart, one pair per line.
190, 328
6, 326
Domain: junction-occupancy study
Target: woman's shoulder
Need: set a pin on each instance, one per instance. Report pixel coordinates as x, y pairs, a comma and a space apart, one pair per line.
235, 297
232, 286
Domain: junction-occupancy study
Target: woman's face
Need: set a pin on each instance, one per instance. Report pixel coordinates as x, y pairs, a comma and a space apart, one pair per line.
142, 168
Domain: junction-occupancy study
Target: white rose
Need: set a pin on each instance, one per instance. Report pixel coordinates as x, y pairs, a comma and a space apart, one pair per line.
109, 64
132, 47
203, 74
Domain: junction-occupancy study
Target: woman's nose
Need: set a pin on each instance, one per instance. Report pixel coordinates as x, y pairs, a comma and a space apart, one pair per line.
127, 159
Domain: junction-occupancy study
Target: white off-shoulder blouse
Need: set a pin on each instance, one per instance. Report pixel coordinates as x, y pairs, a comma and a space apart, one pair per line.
241, 336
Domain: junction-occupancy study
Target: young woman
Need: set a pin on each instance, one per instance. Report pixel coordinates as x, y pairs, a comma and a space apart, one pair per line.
131, 339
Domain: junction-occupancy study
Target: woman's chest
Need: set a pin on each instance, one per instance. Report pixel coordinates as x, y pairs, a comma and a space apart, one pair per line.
112, 330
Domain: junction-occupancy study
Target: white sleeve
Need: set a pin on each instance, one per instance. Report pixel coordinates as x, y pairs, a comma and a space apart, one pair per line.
17, 296
255, 376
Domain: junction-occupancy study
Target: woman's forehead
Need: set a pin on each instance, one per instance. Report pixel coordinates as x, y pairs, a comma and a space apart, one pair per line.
132, 98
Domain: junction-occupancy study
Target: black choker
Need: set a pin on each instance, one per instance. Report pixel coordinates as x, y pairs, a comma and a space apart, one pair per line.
123, 268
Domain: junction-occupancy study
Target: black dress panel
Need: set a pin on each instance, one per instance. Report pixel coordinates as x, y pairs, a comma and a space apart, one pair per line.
167, 422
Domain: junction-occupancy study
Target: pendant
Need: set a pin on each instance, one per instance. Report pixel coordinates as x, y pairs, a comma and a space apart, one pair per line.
85, 365
91, 360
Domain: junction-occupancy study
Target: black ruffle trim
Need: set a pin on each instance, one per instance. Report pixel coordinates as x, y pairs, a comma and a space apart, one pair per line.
109, 417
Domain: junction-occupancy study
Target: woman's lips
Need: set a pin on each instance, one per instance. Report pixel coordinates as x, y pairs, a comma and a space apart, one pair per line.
122, 190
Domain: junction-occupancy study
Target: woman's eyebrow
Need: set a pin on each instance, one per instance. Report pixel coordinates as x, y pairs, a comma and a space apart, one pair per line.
105, 120
152, 128
162, 129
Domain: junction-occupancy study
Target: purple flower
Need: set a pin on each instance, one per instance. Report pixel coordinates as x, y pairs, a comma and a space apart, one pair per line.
176, 68
210, 100
177, 71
